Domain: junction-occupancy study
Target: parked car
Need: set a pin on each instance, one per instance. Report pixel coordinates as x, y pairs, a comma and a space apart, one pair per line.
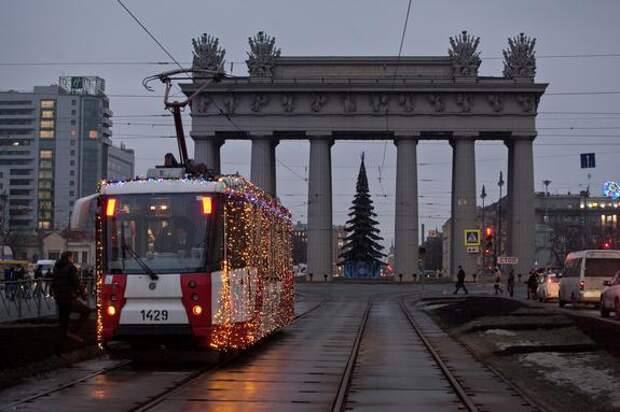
610, 298
548, 288
584, 274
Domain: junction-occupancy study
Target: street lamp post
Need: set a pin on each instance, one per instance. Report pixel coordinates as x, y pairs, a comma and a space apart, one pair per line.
483, 196
498, 235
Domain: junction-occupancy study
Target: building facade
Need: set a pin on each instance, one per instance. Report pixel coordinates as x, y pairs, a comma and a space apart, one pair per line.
54, 147
564, 223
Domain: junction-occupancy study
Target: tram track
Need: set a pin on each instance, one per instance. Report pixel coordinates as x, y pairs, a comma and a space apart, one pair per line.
154, 401
467, 400
128, 364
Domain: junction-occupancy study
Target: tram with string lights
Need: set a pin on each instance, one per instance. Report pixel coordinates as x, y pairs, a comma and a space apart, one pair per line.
188, 259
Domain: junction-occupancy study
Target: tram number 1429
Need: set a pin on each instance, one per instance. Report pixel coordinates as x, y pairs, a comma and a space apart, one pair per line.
154, 315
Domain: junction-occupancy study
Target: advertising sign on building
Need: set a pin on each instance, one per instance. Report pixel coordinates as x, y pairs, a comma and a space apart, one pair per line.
90, 85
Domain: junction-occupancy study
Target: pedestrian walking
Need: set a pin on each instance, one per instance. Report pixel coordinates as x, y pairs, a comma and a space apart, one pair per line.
460, 281
510, 283
67, 290
532, 285
498, 281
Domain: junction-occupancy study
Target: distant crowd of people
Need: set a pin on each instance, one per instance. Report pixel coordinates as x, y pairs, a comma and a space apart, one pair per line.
65, 282
532, 281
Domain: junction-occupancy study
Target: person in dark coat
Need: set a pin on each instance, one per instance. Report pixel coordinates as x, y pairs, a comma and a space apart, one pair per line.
510, 284
460, 281
67, 288
532, 285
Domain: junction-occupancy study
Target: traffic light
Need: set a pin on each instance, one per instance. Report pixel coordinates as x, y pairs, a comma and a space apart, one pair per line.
488, 240
606, 245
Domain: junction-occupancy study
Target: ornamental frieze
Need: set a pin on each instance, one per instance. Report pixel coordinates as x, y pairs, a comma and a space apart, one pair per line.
318, 101
465, 102
259, 101
407, 101
379, 102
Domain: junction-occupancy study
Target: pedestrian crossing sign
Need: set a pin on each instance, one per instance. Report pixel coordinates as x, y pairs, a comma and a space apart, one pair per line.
472, 237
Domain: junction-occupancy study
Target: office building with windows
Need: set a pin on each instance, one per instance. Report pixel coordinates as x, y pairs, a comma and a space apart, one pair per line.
55, 145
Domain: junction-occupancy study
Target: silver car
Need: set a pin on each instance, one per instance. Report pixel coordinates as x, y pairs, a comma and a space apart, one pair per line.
610, 298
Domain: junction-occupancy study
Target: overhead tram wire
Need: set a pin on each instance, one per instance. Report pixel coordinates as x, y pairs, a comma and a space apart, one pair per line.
182, 68
400, 52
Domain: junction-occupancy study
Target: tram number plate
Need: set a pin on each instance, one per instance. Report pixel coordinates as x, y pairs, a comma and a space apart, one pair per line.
154, 315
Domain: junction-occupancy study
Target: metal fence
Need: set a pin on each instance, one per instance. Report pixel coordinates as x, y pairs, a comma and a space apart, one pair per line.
31, 299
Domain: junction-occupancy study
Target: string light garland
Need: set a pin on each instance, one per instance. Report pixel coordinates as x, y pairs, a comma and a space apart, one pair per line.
257, 242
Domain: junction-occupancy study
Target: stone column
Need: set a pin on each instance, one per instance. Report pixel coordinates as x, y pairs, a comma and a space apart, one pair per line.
507, 210
406, 235
523, 228
207, 151
463, 203
263, 166
320, 209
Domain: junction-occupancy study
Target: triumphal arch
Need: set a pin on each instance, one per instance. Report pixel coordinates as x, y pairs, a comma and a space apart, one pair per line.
402, 99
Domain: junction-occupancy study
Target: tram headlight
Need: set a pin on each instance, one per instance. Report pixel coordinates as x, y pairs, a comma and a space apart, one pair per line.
195, 297
197, 310
111, 310
191, 284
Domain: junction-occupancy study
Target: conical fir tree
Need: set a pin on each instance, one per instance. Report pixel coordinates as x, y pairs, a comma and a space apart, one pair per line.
361, 242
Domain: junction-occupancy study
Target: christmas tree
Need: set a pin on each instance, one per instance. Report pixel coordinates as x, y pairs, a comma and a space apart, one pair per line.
361, 254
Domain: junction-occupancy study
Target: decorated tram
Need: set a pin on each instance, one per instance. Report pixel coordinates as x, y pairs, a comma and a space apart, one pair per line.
190, 262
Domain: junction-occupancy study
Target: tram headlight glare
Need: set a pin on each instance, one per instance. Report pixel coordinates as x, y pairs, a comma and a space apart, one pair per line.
197, 310
111, 310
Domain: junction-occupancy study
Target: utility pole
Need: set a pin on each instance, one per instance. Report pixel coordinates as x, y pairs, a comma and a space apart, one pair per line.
483, 196
498, 235
546, 183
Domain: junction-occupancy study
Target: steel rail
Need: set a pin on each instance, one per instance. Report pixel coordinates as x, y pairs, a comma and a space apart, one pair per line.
341, 396
458, 388
159, 398
102, 371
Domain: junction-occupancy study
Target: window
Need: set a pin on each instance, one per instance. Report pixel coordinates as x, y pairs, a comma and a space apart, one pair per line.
72, 172
45, 164
602, 267
51, 255
47, 114
45, 205
92, 134
84, 257
72, 142
46, 154
73, 122
72, 152
19, 192
73, 112
47, 124
73, 102
48, 104
71, 193
21, 182
45, 184
73, 132
46, 134
45, 194
72, 183
72, 162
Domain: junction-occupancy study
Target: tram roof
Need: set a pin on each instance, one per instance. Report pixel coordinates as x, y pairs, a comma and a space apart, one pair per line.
147, 186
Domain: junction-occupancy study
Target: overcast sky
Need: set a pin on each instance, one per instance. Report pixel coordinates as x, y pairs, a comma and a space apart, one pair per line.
81, 31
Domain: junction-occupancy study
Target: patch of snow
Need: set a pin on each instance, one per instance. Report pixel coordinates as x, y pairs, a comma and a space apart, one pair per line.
505, 345
577, 370
500, 332
435, 306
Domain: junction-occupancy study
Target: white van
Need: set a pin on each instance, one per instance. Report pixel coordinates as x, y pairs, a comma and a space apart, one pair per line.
45, 265
584, 274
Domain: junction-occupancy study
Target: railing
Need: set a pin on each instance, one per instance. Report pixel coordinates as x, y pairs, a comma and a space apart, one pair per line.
31, 299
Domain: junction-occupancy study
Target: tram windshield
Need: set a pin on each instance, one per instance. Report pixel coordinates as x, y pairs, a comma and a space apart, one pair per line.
169, 233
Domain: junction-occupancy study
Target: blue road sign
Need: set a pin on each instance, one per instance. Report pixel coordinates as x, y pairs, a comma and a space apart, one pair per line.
588, 160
